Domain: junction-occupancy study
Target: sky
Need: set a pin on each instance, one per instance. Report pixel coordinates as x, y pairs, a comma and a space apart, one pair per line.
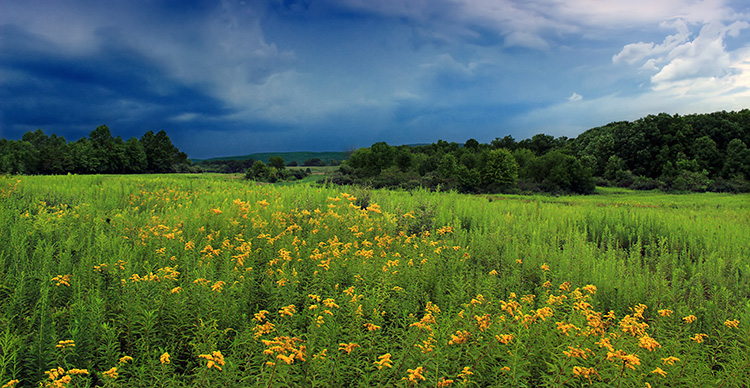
227, 78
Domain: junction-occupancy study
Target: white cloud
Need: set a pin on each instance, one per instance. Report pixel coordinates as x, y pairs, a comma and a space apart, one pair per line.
691, 65
575, 97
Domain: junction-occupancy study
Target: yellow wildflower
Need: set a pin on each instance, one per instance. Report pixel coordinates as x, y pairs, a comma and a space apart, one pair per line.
460, 337
659, 371
214, 360
10, 384
112, 373
584, 372
125, 359
62, 280
689, 319
504, 338
65, 344
699, 337
384, 361
665, 312
348, 347
591, 289
164, 358
218, 286
647, 342
415, 374
176, 290
288, 310
670, 360
545, 267
371, 327
732, 324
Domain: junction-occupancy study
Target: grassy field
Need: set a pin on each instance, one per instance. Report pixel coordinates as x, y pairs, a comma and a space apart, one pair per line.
190, 280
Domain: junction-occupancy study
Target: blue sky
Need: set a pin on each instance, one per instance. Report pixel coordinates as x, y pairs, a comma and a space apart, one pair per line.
236, 77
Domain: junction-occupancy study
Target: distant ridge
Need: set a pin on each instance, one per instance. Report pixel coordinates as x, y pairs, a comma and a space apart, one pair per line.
300, 157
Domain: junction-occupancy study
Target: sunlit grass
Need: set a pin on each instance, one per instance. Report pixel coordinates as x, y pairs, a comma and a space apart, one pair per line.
204, 281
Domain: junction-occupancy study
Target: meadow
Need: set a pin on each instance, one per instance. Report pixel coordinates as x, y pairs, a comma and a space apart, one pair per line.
202, 281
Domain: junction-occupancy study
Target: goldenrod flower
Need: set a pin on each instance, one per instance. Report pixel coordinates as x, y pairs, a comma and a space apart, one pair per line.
699, 337
216, 211
348, 347
504, 338
545, 267
65, 344
78, 371
175, 290
665, 312
670, 360
384, 361
214, 360
732, 324
415, 374
62, 280
465, 373
164, 358
575, 352
218, 286
648, 343
371, 327
689, 319
112, 373
125, 359
444, 383
288, 310
591, 289
460, 337
630, 360
584, 372
260, 315
10, 384
659, 371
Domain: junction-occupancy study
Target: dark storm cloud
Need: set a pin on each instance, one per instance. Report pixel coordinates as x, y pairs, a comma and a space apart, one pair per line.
112, 84
235, 77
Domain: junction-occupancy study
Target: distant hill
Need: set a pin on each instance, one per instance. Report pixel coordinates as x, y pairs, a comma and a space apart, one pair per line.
299, 157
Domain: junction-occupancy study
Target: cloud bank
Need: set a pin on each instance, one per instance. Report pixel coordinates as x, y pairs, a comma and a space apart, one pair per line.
235, 77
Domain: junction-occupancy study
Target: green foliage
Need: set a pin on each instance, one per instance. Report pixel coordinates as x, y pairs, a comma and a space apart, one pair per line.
100, 153
500, 169
672, 150
165, 278
277, 162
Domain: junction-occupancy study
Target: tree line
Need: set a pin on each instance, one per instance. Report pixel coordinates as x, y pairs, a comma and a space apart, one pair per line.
99, 153
701, 152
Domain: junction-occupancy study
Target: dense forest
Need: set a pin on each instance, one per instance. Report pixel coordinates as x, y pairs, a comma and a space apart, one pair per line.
100, 153
701, 152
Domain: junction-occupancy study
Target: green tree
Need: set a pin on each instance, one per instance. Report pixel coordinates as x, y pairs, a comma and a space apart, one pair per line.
500, 169
469, 181
259, 171
136, 161
507, 142
737, 162
277, 162
447, 166
161, 155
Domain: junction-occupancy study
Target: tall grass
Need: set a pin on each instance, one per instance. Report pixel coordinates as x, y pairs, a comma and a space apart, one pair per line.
202, 281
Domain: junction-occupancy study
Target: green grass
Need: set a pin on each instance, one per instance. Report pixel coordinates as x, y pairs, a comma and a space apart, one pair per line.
140, 266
